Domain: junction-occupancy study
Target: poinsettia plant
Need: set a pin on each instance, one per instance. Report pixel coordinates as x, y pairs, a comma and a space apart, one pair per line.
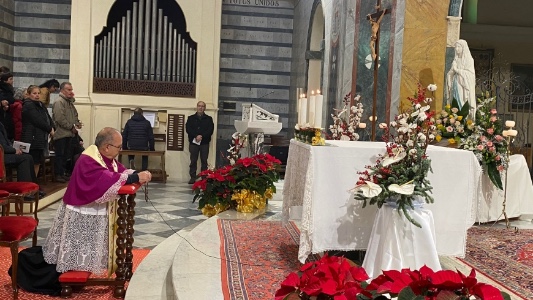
334, 278
400, 175
222, 188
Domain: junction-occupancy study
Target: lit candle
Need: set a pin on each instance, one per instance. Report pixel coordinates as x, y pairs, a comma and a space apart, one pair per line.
319, 102
311, 109
362, 125
512, 132
302, 113
509, 123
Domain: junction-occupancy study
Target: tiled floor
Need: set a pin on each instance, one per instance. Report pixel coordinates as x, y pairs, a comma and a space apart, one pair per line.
169, 209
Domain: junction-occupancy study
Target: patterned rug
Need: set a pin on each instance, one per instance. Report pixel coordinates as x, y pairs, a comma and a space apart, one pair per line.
86, 293
504, 256
256, 257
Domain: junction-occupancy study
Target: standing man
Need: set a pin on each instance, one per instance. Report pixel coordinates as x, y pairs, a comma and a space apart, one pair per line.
199, 128
138, 135
67, 125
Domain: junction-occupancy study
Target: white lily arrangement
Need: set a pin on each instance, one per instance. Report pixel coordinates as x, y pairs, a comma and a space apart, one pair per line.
400, 175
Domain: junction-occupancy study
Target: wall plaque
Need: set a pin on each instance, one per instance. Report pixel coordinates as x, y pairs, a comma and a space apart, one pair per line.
175, 132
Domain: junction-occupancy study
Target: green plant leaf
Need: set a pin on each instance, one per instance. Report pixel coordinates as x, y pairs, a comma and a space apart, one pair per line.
494, 175
448, 295
408, 294
464, 110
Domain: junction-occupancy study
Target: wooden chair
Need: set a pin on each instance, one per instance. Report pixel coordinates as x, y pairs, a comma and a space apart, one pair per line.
124, 260
17, 191
13, 230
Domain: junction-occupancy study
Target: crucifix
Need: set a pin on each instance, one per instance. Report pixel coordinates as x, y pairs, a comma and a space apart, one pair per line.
375, 21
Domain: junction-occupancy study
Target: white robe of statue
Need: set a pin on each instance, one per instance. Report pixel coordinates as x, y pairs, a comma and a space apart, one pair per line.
461, 79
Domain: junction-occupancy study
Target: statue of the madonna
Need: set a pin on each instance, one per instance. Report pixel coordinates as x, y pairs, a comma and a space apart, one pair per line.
461, 79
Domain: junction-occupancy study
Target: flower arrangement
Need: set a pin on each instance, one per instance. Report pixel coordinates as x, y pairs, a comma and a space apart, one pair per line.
309, 135
452, 123
347, 120
238, 142
245, 186
400, 174
334, 278
487, 142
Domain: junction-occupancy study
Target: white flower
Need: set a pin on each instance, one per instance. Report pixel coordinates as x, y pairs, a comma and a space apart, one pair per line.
455, 110
398, 154
432, 87
404, 189
297, 127
345, 138
369, 189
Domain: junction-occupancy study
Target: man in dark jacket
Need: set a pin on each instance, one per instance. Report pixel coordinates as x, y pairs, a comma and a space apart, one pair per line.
199, 128
138, 135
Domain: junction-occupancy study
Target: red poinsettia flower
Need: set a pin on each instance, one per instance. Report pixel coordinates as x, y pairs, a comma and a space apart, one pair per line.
288, 286
201, 184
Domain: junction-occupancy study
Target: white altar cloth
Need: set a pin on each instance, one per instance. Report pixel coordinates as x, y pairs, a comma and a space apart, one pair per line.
396, 243
519, 193
319, 179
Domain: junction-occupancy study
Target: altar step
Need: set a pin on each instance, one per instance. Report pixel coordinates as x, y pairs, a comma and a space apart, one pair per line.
187, 265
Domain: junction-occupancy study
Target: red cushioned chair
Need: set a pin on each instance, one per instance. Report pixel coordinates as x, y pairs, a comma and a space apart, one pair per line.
13, 230
17, 191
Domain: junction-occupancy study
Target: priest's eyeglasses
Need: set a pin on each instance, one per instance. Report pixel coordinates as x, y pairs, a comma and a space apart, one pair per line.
118, 147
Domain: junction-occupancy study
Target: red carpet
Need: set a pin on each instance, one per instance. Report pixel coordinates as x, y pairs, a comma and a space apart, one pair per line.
256, 257
504, 256
93, 293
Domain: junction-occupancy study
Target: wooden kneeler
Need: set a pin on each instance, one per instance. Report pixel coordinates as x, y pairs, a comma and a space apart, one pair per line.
124, 261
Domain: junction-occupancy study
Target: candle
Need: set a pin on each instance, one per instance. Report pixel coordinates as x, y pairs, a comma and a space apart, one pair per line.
311, 109
505, 133
302, 112
319, 102
509, 123
382, 125
512, 132
362, 125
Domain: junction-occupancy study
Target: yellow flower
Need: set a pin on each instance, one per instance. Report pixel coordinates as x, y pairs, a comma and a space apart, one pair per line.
209, 210
469, 122
440, 127
438, 138
451, 141
459, 118
448, 106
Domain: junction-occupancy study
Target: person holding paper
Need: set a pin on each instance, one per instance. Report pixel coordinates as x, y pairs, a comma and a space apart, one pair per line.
138, 135
17, 158
199, 128
67, 124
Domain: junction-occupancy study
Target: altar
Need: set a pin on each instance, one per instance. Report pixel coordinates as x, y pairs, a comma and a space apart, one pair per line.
519, 198
320, 180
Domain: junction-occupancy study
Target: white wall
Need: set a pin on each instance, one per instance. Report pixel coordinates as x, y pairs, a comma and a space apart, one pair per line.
99, 110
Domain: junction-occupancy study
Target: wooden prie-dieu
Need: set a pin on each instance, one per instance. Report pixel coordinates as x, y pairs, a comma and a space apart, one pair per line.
124, 254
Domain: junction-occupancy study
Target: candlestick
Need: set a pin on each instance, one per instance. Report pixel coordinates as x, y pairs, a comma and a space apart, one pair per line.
319, 102
311, 109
